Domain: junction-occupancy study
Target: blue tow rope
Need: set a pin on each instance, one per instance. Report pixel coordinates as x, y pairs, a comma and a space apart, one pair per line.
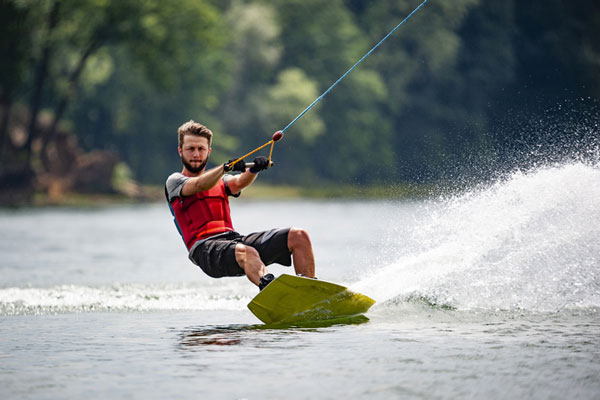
352, 68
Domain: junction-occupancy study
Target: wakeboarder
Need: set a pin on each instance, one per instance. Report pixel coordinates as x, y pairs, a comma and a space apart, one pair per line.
199, 201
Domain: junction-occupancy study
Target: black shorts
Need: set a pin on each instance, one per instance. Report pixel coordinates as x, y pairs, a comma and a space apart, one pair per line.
216, 256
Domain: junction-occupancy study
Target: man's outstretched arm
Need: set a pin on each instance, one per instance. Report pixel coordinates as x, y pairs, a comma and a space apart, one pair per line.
203, 181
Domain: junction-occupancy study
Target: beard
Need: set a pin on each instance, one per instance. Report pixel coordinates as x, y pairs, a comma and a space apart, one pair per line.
191, 168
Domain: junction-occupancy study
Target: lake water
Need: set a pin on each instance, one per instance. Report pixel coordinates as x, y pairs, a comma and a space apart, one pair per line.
494, 293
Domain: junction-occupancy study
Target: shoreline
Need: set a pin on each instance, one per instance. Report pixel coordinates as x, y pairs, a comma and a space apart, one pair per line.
258, 191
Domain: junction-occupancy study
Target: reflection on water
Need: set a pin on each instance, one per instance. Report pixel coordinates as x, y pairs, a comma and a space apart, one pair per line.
204, 338
234, 335
212, 336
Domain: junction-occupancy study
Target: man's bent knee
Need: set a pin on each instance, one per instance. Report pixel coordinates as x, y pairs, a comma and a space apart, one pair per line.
249, 260
298, 237
245, 255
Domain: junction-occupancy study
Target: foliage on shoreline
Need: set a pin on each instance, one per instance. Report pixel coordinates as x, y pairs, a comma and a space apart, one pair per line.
257, 192
458, 82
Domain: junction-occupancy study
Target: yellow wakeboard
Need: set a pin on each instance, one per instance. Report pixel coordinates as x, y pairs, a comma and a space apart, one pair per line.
294, 299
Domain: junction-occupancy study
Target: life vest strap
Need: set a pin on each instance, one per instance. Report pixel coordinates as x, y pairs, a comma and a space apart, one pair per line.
212, 228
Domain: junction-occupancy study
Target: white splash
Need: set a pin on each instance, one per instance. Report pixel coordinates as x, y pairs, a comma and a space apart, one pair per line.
531, 241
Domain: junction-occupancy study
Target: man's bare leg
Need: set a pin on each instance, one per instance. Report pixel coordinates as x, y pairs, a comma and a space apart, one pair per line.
302, 253
249, 259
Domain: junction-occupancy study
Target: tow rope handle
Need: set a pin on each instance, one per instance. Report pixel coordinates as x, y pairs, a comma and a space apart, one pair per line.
276, 137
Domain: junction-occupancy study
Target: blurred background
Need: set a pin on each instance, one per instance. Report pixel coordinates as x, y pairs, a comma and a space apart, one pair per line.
92, 92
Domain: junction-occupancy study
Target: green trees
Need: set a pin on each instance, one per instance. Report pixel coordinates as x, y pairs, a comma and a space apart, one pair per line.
124, 74
319, 41
116, 58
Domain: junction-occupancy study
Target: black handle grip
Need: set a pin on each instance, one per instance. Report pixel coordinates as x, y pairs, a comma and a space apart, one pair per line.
251, 164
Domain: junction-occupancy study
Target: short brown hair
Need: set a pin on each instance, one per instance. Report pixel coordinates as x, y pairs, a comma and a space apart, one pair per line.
194, 128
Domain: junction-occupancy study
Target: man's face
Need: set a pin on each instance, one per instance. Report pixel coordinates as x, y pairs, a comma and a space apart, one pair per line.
194, 153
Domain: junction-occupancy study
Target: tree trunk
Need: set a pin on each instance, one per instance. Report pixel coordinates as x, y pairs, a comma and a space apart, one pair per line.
41, 74
61, 108
5, 106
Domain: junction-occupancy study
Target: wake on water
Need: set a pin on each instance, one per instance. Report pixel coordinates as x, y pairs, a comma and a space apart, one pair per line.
124, 297
528, 242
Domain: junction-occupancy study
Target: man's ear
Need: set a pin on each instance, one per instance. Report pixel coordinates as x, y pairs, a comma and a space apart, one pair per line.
179, 151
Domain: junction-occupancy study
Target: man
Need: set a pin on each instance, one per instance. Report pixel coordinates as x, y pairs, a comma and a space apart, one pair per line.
199, 201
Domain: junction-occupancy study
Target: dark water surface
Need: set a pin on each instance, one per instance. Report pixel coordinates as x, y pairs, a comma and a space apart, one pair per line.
491, 294
201, 355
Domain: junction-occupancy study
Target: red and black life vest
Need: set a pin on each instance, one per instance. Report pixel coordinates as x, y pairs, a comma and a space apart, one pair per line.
202, 215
